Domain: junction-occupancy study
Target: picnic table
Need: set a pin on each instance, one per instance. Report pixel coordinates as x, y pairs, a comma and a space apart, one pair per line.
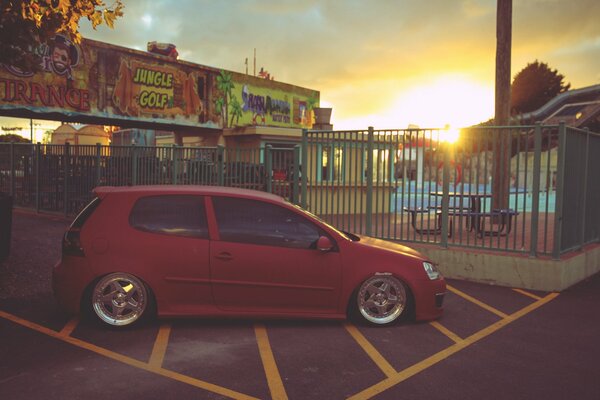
497, 222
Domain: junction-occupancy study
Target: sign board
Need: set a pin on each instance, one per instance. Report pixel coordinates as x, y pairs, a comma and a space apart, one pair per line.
114, 85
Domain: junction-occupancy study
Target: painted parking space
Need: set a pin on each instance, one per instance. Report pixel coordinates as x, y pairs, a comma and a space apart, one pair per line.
285, 359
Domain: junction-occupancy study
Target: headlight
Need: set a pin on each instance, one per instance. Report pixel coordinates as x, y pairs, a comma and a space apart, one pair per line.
431, 270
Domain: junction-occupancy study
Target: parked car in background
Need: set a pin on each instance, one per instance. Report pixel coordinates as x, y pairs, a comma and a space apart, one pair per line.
211, 251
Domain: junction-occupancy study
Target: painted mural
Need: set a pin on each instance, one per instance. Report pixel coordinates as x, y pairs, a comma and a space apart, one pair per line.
246, 101
112, 84
148, 89
59, 86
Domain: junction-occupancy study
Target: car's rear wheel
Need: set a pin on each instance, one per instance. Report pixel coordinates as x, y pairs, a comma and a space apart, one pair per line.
382, 300
120, 299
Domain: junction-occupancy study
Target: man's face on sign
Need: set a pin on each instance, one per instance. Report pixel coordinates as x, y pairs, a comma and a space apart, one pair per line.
61, 58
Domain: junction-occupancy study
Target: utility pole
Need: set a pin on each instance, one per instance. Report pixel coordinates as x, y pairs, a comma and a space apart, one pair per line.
501, 164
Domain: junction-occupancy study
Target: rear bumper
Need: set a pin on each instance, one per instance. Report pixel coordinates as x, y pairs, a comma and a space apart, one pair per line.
69, 280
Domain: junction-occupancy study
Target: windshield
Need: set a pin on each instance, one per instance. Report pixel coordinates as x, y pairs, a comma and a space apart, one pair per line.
347, 235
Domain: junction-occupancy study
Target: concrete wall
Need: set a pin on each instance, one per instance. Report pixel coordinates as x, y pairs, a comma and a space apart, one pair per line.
518, 271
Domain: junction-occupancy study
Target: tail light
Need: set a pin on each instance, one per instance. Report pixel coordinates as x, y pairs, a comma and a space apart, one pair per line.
71, 244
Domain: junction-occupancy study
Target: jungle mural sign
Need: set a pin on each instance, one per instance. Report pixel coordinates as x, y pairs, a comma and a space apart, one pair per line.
113, 85
148, 89
110, 83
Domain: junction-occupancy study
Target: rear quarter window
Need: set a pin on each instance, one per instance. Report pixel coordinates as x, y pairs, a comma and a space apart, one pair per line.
178, 215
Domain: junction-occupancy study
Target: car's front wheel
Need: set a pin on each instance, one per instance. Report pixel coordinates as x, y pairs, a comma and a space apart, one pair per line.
120, 299
382, 299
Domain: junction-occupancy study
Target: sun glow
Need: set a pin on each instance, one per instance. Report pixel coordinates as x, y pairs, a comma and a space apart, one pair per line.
453, 101
449, 100
450, 135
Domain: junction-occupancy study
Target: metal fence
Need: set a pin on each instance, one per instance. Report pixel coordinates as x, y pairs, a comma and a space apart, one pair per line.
524, 189
60, 178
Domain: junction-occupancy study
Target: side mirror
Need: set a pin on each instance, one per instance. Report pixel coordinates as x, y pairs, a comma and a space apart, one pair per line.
324, 244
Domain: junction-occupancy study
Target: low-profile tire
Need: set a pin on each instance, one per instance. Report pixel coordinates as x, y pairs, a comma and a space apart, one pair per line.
120, 299
381, 300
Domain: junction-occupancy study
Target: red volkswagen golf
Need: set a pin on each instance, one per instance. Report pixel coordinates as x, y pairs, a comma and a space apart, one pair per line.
207, 251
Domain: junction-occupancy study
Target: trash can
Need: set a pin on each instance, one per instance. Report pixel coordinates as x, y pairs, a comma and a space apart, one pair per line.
5, 224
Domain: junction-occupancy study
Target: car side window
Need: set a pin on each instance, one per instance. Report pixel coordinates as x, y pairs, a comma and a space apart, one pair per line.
257, 222
178, 215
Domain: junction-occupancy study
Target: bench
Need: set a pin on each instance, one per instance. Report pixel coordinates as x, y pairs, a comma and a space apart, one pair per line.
500, 218
437, 228
457, 211
476, 220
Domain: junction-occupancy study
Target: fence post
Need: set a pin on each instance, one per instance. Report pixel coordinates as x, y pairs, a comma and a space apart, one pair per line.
445, 195
175, 164
134, 165
98, 162
535, 195
268, 168
37, 176
220, 165
12, 170
296, 181
369, 200
560, 184
66, 162
584, 185
304, 166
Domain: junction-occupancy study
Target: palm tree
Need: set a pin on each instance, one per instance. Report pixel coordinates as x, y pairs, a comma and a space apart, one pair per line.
225, 86
236, 110
311, 102
219, 106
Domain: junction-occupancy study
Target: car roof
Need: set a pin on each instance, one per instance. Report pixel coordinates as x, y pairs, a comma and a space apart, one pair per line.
102, 191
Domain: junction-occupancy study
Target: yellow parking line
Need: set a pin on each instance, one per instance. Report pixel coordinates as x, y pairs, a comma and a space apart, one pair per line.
446, 331
455, 348
525, 293
127, 360
160, 346
371, 351
475, 301
69, 327
266, 354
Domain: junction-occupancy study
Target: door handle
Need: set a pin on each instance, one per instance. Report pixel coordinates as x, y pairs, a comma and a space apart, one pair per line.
224, 256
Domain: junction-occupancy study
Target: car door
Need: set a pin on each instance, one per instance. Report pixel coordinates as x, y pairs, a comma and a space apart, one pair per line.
170, 235
266, 260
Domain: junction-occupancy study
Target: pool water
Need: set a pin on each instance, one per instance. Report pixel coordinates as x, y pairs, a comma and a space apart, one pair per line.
417, 196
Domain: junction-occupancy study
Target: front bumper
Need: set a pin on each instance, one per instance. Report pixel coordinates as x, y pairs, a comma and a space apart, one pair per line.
429, 299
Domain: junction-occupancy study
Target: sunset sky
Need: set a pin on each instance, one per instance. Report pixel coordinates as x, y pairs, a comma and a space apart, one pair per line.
384, 63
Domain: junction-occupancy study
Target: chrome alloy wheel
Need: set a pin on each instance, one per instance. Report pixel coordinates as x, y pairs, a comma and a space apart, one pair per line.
119, 299
381, 299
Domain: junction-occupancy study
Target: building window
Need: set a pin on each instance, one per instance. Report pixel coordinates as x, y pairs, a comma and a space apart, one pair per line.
382, 165
332, 163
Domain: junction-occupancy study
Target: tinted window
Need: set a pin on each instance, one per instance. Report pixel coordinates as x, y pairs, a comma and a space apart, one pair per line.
178, 215
251, 221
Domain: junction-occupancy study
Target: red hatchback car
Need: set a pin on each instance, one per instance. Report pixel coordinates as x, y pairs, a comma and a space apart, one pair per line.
208, 251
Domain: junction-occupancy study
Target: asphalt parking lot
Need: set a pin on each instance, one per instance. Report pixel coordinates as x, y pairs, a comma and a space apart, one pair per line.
492, 343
